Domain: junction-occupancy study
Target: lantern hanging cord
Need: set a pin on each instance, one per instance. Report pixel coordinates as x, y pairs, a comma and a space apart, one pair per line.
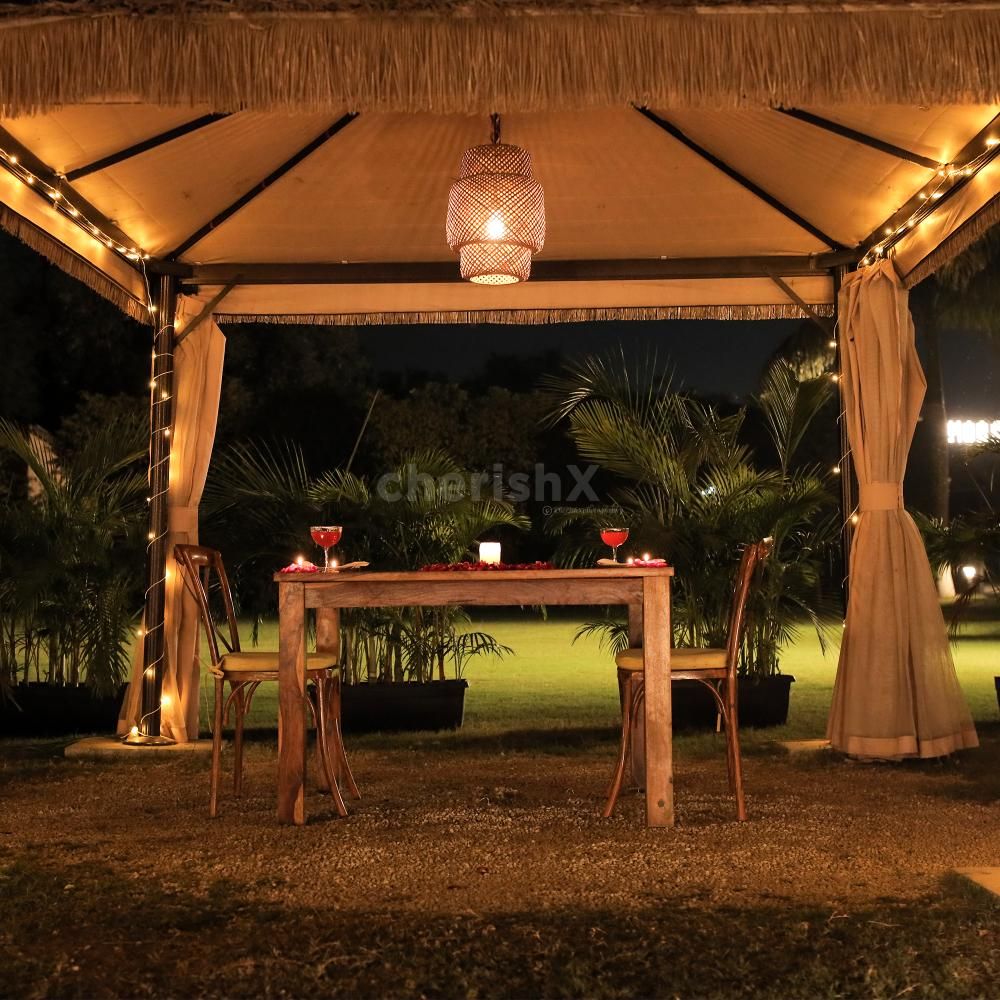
495, 123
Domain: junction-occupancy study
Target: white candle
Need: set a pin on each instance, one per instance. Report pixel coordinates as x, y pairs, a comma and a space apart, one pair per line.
489, 552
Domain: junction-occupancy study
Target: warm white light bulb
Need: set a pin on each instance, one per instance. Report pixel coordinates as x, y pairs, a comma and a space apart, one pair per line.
969, 572
165, 701
134, 731
495, 227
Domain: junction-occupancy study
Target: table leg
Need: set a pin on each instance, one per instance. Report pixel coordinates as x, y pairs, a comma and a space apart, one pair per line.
659, 736
292, 702
637, 756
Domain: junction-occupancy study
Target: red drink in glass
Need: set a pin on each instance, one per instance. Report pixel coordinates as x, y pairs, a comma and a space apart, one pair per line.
614, 537
326, 536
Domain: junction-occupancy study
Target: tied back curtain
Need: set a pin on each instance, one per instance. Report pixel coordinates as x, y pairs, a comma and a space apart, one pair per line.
896, 693
198, 361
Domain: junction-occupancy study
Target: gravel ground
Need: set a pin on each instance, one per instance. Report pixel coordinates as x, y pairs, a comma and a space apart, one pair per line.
469, 872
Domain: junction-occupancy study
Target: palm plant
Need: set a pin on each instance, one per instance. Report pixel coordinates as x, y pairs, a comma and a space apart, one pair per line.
427, 510
70, 557
688, 488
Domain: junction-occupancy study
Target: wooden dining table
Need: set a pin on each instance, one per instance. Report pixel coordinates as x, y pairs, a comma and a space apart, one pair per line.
645, 591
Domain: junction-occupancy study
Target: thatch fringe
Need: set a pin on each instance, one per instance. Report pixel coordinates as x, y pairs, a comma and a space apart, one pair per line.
381, 61
74, 265
529, 316
960, 240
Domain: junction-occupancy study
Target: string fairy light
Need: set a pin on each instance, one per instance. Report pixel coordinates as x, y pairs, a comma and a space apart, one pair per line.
947, 178
62, 203
158, 478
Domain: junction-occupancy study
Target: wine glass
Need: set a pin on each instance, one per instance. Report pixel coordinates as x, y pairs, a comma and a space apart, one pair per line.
614, 537
326, 536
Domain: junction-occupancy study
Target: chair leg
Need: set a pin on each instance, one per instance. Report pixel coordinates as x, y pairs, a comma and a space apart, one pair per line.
733, 748
213, 797
239, 707
343, 767
618, 777
323, 743
322, 764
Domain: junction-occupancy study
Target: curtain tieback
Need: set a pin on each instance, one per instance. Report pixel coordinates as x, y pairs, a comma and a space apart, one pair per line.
880, 496
182, 520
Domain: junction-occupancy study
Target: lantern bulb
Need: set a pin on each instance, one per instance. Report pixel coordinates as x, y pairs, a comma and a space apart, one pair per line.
495, 228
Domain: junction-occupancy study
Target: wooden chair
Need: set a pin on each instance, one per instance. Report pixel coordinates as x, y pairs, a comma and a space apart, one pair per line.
245, 672
715, 668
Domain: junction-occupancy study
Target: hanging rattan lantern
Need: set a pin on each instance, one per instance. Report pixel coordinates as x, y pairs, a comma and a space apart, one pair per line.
496, 214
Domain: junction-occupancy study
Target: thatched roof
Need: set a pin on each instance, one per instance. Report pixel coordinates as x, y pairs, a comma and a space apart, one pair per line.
692, 153
483, 55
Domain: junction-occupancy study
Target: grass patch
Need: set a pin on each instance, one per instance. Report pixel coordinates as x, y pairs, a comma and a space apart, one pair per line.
568, 690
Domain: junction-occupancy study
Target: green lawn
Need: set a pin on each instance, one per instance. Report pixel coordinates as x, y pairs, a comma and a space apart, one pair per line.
553, 684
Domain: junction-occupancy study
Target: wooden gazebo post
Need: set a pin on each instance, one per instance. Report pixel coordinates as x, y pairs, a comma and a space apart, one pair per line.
161, 412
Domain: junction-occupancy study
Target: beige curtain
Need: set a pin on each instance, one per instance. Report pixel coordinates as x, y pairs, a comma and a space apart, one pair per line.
896, 694
198, 362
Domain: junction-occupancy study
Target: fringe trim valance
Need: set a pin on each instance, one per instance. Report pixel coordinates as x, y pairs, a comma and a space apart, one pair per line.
74, 265
960, 240
530, 316
409, 62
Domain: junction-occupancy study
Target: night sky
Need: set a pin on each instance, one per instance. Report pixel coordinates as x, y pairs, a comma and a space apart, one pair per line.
713, 357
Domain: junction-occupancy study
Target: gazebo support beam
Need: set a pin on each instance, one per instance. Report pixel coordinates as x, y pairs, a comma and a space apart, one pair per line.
862, 138
825, 324
141, 147
160, 421
259, 188
848, 495
434, 272
733, 174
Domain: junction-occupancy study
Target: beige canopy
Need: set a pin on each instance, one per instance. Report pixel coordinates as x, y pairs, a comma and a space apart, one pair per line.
291, 160
300, 155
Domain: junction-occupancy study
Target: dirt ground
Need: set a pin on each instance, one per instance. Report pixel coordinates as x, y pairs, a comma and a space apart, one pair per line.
487, 871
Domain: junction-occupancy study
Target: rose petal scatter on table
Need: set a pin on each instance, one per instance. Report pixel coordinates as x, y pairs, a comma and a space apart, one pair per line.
482, 567
300, 566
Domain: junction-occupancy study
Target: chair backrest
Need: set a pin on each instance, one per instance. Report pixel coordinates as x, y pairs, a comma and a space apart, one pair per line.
197, 564
753, 556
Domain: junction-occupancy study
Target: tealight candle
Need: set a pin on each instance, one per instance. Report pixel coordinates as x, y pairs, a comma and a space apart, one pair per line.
489, 552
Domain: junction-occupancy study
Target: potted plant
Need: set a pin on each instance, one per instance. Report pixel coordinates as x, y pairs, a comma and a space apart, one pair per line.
402, 667
70, 557
691, 491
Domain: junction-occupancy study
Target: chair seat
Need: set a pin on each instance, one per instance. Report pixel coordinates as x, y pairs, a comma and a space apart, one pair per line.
682, 659
267, 662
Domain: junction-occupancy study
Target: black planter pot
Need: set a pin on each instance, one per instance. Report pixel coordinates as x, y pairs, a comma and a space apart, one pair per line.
405, 707
761, 703
56, 710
